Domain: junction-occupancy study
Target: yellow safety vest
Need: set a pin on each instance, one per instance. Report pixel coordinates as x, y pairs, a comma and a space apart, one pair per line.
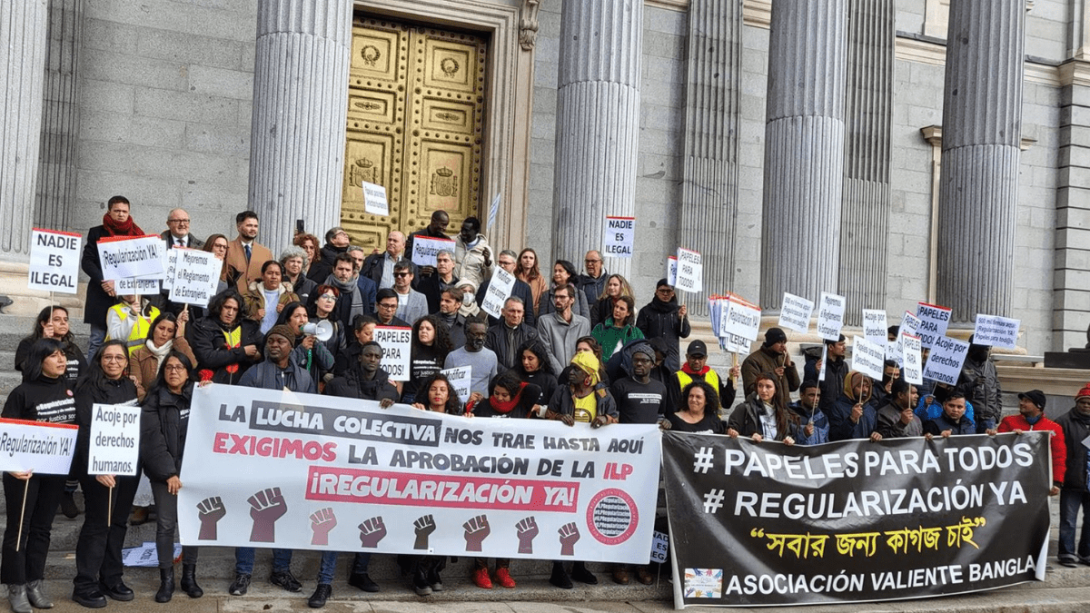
138, 336
684, 378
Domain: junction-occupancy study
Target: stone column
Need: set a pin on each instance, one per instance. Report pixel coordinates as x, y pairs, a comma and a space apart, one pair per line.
868, 114
23, 26
300, 109
60, 116
597, 123
981, 134
804, 149
709, 193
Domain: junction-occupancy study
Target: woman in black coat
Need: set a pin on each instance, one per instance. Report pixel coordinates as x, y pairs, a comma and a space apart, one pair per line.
225, 343
52, 322
98, 550
46, 396
163, 425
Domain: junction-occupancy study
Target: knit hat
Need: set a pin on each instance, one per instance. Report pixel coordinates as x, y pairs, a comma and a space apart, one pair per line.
1084, 392
773, 336
282, 330
1037, 397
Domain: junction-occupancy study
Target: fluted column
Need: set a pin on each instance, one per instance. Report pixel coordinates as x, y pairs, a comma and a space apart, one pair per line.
804, 149
60, 116
709, 193
300, 109
597, 122
981, 134
23, 26
868, 113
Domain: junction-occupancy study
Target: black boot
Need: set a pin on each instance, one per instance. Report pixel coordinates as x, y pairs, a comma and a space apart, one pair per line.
166, 585
189, 581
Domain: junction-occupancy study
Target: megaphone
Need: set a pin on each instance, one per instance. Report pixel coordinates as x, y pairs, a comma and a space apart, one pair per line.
323, 330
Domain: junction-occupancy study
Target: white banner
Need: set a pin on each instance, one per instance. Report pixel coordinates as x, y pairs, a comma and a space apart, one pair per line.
690, 271
619, 238
396, 343
867, 358
499, 290
671, 270
946, 359
996, 331
913, 366
795, 313
933, 322
461, 379
875, 328
830, 316
299, 471
129, 257
426, 249
45, 448
115, 440
196, 277
54, 261
374, 200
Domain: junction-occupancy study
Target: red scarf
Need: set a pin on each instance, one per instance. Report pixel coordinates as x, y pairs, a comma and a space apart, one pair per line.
505, 407
685, 368
112, 228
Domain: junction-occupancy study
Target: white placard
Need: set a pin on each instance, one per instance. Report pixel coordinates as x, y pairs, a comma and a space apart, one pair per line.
54, 261
168, 272
824, 356
910, 326
868, 358
196, 277
875, 327
946, 359
619, 238
44, 448
740, 319
671, 270
138, 286
461, 379
795, 313
913, 368
126, 258
396, 343
996, 331
690, 271
145, 555
426, 249
660, 544
830, 316
374, 200
933, 322
115, 440
499, 290
736, 344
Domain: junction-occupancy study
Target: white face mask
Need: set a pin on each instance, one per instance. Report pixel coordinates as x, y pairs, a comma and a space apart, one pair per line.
467, 299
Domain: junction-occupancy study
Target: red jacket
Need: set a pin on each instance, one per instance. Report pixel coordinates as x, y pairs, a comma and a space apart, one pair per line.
1055, 441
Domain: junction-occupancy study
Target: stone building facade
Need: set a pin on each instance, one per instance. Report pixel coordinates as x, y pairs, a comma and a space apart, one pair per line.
798, 146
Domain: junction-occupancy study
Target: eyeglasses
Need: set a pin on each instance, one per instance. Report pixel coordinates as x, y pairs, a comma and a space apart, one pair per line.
180, 221
114, 358
386, 306
664, 290
327, 297
174, 368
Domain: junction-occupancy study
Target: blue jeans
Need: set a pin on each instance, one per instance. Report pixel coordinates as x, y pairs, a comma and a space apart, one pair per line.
361, 562
244, 560
1070, 502
98, 336
326, 567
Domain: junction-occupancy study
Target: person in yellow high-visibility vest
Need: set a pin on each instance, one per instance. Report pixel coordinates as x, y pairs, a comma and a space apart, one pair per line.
130, 320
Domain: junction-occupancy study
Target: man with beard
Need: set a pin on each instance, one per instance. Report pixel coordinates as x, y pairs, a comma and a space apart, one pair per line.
771, 357
836, 368
897, 415
244, 254
351, 301
449, 303
474, 354
433, 285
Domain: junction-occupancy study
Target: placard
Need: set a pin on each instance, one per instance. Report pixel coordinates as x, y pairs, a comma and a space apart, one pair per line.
54, 261
374, 200
396, 343
875, 328
115, 440
170, 266
933, 322
690, 271
426, 249
45, 448
493, 212
137, 286
795, 313
741, 319
824, 356
867, 358
196, 277
946, 359
461, 379
499, 290
619, 237
671, 270
660, 545
996, 331
127, 257
913, 367
830, 316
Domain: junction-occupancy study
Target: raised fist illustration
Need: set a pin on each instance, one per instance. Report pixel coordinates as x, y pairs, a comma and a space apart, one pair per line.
424, 526
371, 532
321, 522
526, 530
266, 507
477, 529
569, 533
210, 511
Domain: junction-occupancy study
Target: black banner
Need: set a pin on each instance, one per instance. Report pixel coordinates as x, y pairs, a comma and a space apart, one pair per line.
766, 524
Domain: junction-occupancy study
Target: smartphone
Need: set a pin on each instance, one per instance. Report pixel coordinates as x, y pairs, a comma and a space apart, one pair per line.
299, 226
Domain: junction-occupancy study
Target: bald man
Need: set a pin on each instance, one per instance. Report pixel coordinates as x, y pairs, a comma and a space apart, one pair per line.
380, 266
177, 233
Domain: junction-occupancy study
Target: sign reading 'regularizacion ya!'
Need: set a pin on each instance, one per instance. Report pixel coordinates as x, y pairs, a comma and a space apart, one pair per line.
855, 521
277, 469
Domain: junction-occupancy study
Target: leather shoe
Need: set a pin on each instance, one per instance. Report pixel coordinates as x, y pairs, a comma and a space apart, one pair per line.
580, 573
36, 595
18, 600
363, 581
320, 596
119, 591
620, 576
92, 600
643, 575
560, 578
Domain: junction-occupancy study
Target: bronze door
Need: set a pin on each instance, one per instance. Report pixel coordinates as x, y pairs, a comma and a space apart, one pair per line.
415, 112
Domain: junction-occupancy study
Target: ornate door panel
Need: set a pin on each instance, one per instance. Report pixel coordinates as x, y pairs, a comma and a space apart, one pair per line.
415, 114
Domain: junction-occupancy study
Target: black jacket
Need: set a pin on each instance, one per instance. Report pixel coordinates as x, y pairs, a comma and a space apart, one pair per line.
98, 301
1076, 428
210, 348
322, 267
432, 288
77, 363
520, 290
163, 425
353, 385
833, 385
194, 242
659, 320
496, 340
937, 426
747, 421
122, 391
44, 399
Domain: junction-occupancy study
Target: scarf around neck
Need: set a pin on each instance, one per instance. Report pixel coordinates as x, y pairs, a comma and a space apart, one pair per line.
112, 228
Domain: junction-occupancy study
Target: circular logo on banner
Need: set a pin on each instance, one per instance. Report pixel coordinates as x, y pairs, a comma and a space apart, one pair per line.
612, 516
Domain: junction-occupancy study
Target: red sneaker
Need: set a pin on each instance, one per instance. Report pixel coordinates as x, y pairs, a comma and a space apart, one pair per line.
480, 578
504, 578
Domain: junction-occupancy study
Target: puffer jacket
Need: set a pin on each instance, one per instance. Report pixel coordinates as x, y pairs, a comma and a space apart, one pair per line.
163, 426
979, 381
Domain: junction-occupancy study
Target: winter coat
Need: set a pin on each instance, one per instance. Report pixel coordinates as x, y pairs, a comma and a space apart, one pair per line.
891, 426
121, 391
562, 402
560, 336
821, 424
746, 419
268, 376
353, 385
835, 371
163, 426
519, 290
979, 381
762, 360
940, 424
145, 366
253, 301
609, 336
1056, 440
213, 355
660, 320
1076, 427
470, 263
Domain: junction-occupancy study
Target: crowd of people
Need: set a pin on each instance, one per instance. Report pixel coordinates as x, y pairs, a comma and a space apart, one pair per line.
570, 347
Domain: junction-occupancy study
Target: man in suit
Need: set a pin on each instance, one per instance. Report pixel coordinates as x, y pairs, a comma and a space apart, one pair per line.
177, 233
244, 255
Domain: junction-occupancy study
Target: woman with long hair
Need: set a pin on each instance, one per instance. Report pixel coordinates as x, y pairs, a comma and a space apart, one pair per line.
309, 353
535, 366
616, 286
52, 322
763, 415
698, 410
310, 246
167, 334
98, 551
163, 426
430, 346
45, 395
527, 271
226, 344
619, 328
217, 245
564, 273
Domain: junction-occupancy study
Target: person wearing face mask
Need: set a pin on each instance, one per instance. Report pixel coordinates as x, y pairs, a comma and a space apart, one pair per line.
979, 382
1075, 495
469, 307
474, 354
